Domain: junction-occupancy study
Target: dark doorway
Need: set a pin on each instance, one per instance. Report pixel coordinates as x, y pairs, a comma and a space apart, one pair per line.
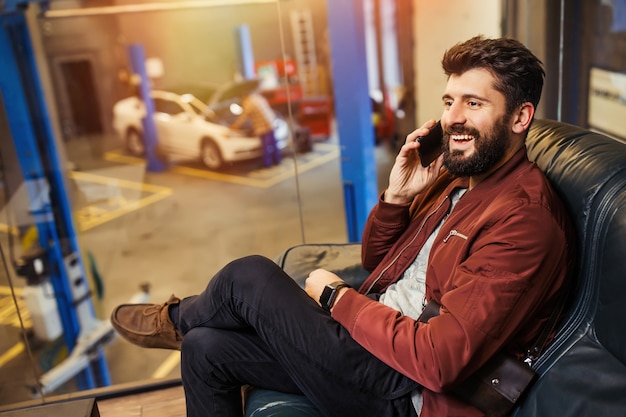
82, 96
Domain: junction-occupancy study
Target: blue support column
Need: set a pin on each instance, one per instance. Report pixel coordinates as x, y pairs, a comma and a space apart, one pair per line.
138, 65
353, 111
246, 54
39, 160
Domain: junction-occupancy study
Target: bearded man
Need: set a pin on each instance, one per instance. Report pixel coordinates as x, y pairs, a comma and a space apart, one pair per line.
479, 231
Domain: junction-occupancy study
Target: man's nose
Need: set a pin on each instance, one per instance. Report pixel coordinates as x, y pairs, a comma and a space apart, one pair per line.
454, 115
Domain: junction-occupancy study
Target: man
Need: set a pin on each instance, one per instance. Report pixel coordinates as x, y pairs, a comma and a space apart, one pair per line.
486, 238
262, 117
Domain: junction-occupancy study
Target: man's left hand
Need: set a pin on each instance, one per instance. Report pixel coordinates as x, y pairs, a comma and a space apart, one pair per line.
317, 280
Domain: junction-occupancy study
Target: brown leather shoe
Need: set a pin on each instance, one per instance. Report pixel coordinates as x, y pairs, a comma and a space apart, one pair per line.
147, 325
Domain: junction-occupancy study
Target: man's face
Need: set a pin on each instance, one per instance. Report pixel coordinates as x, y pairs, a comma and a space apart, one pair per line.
476, 126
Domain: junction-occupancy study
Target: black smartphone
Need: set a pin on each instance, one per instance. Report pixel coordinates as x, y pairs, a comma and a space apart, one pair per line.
430, 145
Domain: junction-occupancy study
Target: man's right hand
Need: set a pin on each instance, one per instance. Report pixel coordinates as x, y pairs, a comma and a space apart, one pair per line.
408, 178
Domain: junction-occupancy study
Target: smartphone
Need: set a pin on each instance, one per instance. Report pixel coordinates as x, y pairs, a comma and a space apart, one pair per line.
430, 145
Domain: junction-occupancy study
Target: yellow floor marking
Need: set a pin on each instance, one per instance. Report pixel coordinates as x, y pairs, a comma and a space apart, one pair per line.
9, 317
11, 353
262, 178
7, 308
255, 178
8, 312
118, 157
117, 181
92, 216
6, 229
167, 366
7, 291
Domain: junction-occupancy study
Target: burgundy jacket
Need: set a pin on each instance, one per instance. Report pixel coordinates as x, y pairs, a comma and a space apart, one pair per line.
495, 267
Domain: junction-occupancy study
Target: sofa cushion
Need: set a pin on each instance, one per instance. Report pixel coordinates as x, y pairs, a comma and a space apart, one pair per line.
268, 403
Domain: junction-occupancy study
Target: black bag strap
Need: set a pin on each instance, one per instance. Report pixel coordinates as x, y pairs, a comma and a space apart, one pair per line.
430, 310
548, 328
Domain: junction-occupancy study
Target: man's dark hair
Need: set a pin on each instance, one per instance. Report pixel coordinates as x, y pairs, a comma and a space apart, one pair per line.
519, 74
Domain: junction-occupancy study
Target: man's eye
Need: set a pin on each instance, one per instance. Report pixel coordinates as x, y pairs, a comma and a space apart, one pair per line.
473, 103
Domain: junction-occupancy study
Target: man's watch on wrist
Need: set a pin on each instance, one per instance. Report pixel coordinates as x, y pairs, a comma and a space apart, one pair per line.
329, 294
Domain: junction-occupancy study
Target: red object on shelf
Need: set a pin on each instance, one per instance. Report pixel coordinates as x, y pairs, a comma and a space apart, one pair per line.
284, 68
315, 113
277, 97
285, 88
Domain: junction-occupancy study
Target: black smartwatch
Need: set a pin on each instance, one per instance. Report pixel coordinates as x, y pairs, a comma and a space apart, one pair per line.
327, 299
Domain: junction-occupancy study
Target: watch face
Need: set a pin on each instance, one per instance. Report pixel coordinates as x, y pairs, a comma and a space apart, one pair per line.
325, 297
330, 292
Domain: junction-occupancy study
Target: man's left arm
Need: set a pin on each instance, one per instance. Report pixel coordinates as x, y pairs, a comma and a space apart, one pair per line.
513, 268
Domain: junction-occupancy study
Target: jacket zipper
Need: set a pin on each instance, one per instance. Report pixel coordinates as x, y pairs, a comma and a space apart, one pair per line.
454, 232
407, 245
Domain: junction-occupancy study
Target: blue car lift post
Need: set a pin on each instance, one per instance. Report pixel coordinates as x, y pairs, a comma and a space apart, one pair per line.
353, 108
50, 209
353, 112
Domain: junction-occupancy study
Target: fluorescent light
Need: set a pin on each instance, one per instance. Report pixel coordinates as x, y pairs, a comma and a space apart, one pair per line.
149, 7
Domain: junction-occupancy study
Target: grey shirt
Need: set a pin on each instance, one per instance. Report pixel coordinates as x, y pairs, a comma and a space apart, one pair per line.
407, 295
403, 295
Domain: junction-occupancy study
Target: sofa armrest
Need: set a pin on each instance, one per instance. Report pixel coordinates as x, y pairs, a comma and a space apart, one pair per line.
342, 259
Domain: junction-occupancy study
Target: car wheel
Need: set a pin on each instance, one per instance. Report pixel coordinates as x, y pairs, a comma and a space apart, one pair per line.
210, 155
134, 143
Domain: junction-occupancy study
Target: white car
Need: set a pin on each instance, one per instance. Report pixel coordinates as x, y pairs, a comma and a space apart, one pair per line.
187, 128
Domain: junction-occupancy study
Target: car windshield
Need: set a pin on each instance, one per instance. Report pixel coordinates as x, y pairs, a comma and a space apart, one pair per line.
199, 107
167, 106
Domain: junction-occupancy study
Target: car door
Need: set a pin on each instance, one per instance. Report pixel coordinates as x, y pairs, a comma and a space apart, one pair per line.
178, 132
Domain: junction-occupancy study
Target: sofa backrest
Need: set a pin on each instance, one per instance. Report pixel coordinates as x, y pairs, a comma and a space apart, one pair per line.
584, 370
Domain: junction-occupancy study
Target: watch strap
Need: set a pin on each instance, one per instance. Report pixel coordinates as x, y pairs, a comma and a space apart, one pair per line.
329, 294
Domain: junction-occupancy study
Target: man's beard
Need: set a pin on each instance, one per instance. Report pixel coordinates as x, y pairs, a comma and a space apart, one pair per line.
489, 149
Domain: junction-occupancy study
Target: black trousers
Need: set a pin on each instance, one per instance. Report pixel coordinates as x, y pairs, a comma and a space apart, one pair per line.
253, 325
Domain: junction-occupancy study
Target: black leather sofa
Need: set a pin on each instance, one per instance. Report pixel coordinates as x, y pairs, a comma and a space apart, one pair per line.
583, 372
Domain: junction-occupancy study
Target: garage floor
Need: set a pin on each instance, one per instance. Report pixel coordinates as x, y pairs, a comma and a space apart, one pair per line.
171, 231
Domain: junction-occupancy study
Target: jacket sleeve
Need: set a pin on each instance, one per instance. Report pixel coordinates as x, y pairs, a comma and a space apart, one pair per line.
505, 278
385, 224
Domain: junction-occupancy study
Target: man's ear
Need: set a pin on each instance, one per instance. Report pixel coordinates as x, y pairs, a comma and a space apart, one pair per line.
523, 117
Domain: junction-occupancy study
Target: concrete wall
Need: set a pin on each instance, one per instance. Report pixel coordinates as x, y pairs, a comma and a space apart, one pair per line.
196, 45
438, 26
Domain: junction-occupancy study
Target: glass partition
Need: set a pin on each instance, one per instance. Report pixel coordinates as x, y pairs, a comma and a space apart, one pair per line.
167, 181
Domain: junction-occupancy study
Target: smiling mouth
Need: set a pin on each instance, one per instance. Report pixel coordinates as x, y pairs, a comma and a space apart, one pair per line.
462, 138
